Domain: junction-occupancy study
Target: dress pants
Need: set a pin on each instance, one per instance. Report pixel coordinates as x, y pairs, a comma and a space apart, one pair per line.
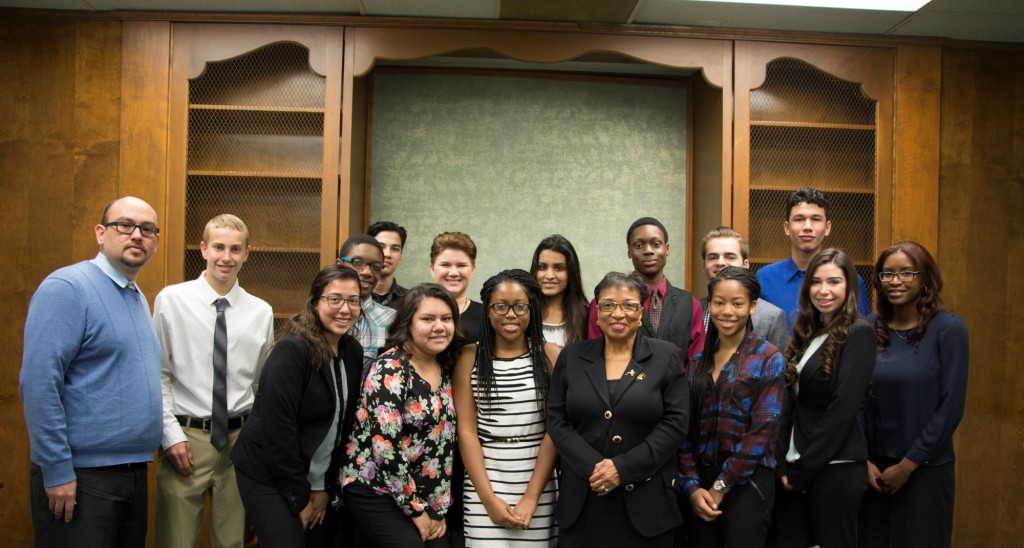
270, 514
919, 515
110, 509
827, 513
746, 513
180, 500
381, 523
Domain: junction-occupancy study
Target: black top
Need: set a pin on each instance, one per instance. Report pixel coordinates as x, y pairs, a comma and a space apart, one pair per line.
471, 322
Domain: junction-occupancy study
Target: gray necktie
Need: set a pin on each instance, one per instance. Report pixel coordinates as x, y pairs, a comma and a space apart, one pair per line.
219, 424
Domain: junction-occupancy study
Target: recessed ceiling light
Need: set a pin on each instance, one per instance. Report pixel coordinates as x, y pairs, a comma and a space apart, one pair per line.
878, 5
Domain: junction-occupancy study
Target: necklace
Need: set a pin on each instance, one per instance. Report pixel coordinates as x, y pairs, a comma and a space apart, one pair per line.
905, 335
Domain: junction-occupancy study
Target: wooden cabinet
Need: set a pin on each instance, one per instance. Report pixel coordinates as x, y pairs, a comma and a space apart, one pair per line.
255, 122
818, 116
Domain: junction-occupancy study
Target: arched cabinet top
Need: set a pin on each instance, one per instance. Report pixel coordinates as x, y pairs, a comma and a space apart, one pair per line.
370, 45
202, 44
869, 67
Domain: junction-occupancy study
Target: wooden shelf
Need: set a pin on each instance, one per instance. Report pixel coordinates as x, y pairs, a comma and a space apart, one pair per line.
253, 174
267, 249
812, 125
830, 189
257, 108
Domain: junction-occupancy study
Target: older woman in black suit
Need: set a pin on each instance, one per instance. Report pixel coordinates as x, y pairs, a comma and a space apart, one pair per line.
288, 452
617, 413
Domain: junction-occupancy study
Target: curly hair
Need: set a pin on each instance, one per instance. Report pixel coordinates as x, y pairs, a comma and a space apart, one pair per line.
534, 334
928, 304
702, 383
307, 325
810, 323
400, 333
575, 307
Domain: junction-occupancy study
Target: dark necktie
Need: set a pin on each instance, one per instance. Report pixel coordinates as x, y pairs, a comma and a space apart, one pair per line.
219, 424
655, 311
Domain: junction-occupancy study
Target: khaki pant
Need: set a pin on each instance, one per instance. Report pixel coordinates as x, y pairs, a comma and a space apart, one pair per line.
180, 500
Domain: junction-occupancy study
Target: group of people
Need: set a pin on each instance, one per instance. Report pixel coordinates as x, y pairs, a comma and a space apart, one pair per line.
770, 413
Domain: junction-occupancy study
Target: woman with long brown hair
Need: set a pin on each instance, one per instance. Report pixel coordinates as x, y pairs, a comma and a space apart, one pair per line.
829, 362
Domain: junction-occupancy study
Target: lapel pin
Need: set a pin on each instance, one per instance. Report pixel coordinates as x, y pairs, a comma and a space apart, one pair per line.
641, 376
631, 373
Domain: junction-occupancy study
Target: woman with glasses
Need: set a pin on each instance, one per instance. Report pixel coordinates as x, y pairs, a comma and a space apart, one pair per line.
396, 475
916, 402
736, 394
557, 269
617, 413
501, 388
287, 453
821, 447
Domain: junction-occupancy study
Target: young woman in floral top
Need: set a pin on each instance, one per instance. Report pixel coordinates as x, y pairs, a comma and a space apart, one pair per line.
397, 468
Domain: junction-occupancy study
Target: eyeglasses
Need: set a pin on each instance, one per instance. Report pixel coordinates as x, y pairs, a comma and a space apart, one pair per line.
124, 227
501, 308
905, 275
360, 264
335, 301
630, 307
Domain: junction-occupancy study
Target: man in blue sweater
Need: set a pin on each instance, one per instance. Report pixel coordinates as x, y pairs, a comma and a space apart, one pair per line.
90, 385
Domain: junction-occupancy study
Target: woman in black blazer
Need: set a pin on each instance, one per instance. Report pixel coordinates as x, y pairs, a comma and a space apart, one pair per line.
823, 455
287, 454
617, 413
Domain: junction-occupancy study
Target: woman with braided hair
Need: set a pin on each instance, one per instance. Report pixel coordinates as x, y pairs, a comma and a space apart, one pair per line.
500, 386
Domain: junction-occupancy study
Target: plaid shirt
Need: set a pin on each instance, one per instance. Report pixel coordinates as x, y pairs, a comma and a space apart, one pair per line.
739, 417
372, 329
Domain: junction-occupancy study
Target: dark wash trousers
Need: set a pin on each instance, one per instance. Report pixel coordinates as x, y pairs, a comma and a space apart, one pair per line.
381, 523
110, 509
746, 512
269, 513
920, 514
827, 513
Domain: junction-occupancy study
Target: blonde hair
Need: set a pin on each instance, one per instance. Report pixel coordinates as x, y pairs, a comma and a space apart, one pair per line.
226, 220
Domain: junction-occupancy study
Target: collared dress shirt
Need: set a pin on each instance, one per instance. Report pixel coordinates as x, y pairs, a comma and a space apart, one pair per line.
185, 316
392, 297
780, 285
372, 329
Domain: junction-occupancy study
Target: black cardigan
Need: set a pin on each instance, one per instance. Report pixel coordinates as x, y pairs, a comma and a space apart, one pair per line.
292, 413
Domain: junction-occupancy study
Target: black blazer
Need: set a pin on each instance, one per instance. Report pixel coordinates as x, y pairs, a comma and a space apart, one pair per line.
676, 316
292, 413
823, 417
640, 431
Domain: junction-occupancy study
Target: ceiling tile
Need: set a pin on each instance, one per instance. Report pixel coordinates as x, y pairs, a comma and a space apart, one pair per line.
46, 4
1013, 7
757, 16
604, 11
958, 26
460, 9
339, 7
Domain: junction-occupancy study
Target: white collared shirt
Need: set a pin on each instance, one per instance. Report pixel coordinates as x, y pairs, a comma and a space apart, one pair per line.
185, 317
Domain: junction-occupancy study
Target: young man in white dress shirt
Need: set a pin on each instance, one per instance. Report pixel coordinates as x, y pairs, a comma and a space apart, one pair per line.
194, 462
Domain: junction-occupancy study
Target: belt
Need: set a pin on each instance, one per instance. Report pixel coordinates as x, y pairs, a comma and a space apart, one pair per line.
120, 467
234, 423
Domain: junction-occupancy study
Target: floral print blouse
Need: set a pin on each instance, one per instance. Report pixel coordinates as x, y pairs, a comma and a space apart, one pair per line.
404, 437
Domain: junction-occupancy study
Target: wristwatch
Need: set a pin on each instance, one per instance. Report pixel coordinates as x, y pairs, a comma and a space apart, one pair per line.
720, 487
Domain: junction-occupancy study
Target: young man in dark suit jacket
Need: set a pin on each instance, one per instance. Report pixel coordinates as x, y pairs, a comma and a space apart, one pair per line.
670, 313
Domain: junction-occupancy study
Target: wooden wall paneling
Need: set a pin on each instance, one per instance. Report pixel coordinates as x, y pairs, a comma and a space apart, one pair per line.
346, 177
980, 250
916, 166
58, 169
335, 91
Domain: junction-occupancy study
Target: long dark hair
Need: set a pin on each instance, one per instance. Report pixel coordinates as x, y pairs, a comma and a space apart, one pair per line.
575, 307
810, 323
306, 323
702, 383
399, 334
929, 303
534, 333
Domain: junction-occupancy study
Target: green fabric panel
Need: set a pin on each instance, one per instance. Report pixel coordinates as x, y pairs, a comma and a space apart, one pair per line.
511, 160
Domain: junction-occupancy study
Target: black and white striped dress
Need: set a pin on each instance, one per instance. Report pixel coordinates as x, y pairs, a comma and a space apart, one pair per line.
510, 423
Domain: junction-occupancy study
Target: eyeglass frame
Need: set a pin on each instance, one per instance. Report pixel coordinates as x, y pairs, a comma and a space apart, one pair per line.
352, 302
359, 264
902, 275
142, 228
496, 306
611, 305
